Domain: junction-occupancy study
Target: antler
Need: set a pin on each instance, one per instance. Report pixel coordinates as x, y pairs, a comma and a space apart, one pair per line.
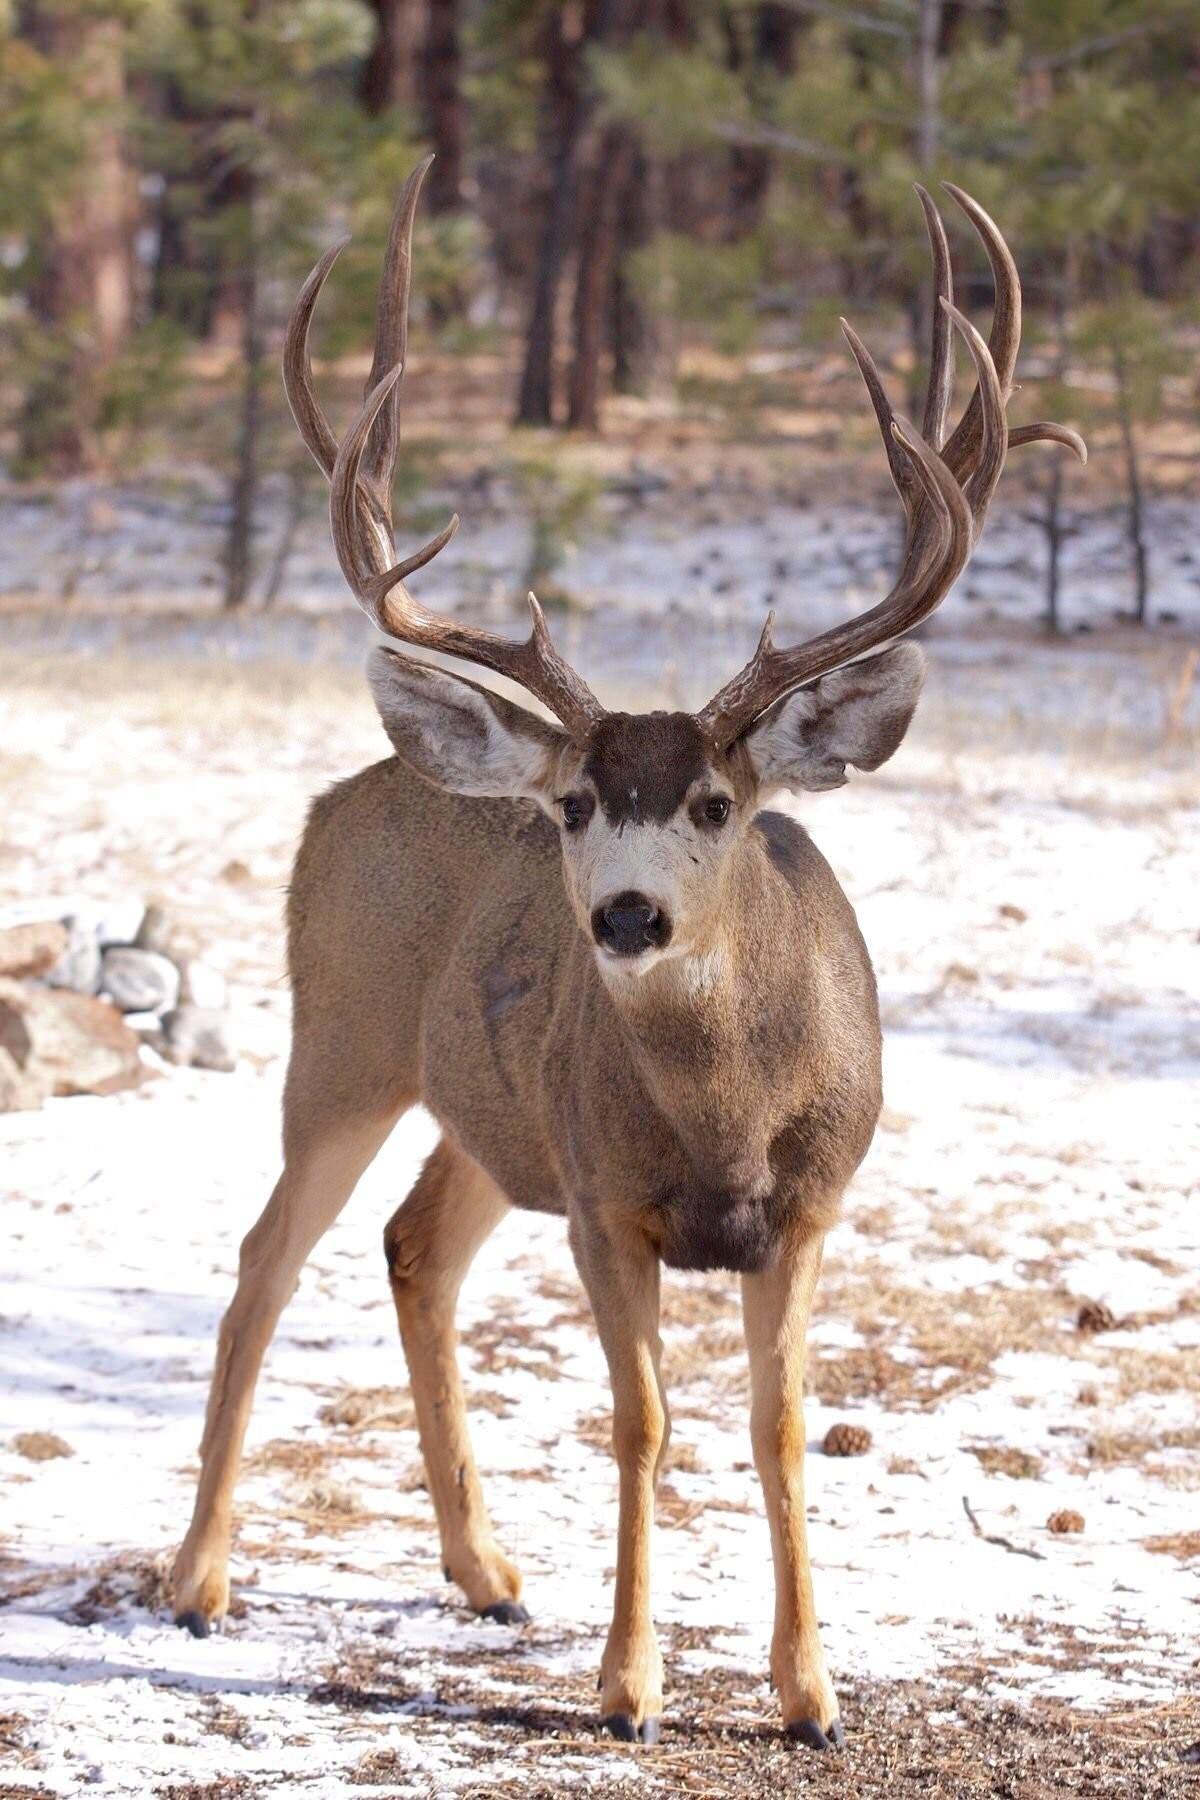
360, 472
945, 486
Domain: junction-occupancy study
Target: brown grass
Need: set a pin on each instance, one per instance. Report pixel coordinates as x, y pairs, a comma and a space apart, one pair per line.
41, 1446
1007, 1459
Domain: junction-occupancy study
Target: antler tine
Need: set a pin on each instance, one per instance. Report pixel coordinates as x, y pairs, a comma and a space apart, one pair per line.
1045, 431
311, 422
941, 354
993, 429
534, 664
391, 341
1004, 339
899, 465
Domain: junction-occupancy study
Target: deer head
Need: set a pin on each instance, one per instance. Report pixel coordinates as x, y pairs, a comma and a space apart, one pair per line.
652, 808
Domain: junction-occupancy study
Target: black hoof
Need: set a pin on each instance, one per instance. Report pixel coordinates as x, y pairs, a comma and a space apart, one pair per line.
621, 1725
195, 1622
506, 1612
809, 1733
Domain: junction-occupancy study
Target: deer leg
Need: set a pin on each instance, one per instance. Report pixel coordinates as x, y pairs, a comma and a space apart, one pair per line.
429, 1245
775, 1307
321, 1168
623, 1287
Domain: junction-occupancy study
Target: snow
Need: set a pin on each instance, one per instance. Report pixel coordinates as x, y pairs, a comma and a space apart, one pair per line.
1039, 1148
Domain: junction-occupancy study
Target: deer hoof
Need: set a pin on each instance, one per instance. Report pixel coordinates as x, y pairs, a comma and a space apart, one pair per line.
506, 1612
621, 1725
809, 1733
193, 1622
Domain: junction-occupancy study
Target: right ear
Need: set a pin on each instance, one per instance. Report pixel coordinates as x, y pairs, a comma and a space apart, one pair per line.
459, 736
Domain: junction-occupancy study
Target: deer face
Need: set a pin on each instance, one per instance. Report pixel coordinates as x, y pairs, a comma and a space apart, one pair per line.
652, 815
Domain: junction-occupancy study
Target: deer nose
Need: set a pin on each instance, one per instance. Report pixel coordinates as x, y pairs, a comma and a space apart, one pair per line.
630, 923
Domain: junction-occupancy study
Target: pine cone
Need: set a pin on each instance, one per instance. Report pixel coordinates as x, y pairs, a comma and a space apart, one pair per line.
1064, 1521
847, 1440
1094, 1315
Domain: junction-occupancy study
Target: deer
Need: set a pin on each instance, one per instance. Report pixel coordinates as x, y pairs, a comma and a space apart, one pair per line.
628, 989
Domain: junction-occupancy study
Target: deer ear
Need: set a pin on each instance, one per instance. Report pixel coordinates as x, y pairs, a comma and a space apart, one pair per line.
856, 715
460, 736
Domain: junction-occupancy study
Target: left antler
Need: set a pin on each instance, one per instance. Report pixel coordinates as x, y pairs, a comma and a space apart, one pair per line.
360, 472
945, 486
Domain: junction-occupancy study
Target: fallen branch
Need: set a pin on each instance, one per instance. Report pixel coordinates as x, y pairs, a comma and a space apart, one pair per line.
990, 1537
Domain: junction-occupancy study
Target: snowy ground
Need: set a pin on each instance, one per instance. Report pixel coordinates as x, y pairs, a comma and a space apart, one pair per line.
1026, 874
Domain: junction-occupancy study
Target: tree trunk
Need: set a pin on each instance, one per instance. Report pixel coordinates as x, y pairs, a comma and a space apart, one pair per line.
773, 30
1052, 518
387, 78
597, 215
1134, 489
441, 73
637, 339
560, 134
239, 555
83, 293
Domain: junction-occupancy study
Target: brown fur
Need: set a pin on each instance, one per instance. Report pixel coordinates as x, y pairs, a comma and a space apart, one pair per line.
435, 955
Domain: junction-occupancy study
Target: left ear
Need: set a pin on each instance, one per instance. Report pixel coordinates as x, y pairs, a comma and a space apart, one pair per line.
856, 715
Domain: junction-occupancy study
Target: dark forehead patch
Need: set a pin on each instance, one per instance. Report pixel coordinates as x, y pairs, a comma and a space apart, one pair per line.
643, 764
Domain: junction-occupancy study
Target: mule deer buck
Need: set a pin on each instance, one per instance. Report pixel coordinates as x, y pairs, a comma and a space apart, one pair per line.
629, 993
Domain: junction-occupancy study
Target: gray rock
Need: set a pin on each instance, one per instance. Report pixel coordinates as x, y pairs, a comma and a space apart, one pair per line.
202, 985
119, 922
199, 1036
139, 980
157, 931
79, 965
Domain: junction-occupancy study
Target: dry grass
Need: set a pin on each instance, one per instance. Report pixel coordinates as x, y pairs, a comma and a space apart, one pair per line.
1007, 1459
123, 1581
1183, 1544
370, 1409
40, 1446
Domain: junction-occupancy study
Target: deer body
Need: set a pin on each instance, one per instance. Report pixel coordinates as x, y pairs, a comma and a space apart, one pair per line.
628, 988
724, 1106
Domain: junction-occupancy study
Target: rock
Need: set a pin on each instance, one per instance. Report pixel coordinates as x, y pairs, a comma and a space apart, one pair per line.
67, 1043
139, 980
148, 1024
202, 985
199, 1036
31, 949
79, 965
158, 932
120, 923
19, 1091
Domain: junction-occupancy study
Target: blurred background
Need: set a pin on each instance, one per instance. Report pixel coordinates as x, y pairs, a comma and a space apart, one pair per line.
642, 223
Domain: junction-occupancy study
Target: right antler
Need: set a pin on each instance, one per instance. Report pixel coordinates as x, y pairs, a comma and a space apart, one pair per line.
944, 486
360, 471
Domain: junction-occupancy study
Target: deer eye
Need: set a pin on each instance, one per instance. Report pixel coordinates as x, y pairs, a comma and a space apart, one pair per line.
576, 810
716, 809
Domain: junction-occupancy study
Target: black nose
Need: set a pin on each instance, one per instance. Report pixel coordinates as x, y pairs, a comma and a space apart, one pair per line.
630, 923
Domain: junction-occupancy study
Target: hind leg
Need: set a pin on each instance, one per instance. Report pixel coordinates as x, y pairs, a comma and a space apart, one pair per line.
324, 1156
429, 1245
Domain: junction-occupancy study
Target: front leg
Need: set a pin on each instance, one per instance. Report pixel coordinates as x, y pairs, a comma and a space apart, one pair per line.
775, 1308
621, 1275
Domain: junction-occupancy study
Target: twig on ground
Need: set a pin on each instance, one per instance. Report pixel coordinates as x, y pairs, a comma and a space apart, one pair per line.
991, 1537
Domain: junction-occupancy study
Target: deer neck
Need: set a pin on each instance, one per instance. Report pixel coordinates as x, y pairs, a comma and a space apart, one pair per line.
693, 1028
